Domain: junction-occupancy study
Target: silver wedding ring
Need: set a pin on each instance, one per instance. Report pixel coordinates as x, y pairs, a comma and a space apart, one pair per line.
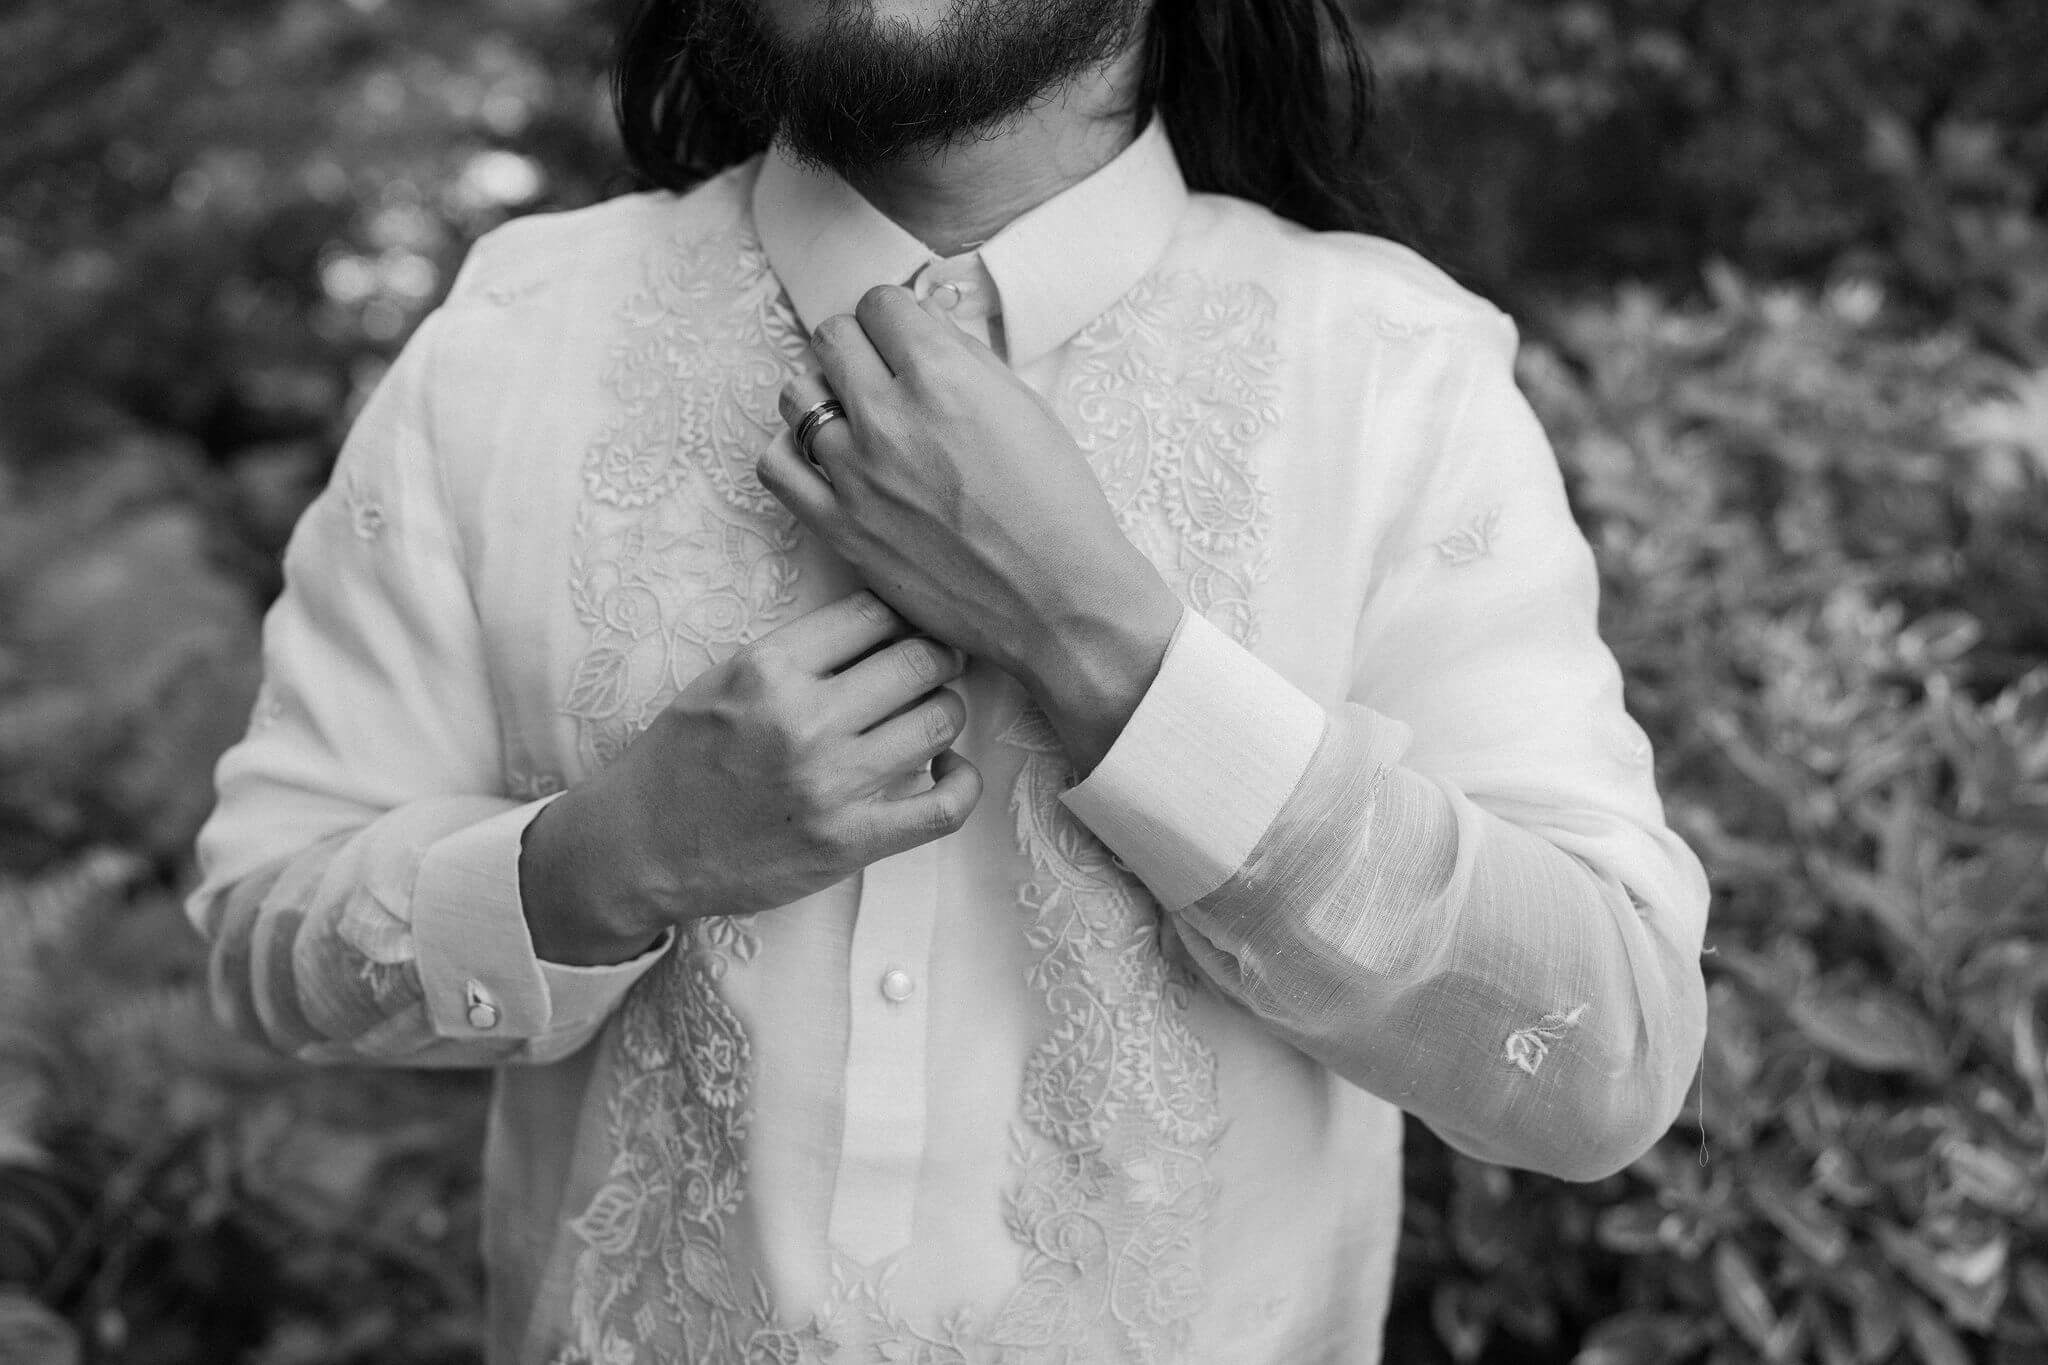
807, 430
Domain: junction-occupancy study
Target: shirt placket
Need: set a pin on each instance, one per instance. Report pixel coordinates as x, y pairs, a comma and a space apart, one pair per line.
888, 987
883, 1142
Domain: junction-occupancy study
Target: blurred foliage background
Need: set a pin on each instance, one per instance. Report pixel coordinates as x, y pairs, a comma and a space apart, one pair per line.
1783, 271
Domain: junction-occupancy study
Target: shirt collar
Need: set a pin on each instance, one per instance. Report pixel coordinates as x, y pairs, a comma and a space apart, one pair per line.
1056, 268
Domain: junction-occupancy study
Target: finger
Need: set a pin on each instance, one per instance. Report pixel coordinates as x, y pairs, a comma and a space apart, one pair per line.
907, 821
798, 484
830, 442
851, 364
903, 333
890, 679
907, 741
824, 641
937, 308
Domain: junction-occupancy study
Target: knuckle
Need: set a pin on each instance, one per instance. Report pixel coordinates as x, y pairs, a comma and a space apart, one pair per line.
797, 733
922, 661
812, 798
876, 296
837, 838
755, 670
871, 609
943, 721
833, 331
766, 683
946, 813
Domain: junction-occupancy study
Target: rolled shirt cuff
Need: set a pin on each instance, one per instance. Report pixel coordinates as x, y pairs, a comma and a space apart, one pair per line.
477, 964
1215, 748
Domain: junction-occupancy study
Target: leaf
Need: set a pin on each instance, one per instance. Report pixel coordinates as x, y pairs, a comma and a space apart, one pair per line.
704, 1270
1632, 1229
1988, 1178
1831, 1344
1481, 1201
31, 1334
1933, 1341
1876, 1321
600, 685
1744, 1300
2030, 1278
1462, 1313
612, 1221
1969, 1280
1805, 1221
1640, 1337
1871, 1028
39, 1217
2016, 419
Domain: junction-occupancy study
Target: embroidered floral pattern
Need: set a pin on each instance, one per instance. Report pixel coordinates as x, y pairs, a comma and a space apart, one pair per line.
652, 1281
665, 578
1629, 742
680, 558
1528, 1048
1120, 1111
507, 295
523, 785
365, 515
1168, 393
1472, 542
388, 982
268, 709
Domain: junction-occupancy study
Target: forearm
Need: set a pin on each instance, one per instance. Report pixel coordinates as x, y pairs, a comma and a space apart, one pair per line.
586, 900
1456, 964
392, 941
1097, 654
1412, 939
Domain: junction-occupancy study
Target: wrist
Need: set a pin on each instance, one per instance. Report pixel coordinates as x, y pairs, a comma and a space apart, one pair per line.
579, 912
1090, 669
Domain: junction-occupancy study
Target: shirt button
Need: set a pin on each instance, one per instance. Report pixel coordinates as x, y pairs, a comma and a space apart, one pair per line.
483, 1010
897, 985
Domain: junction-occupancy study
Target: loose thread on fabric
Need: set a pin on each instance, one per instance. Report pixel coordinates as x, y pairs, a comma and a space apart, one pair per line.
1706, 1054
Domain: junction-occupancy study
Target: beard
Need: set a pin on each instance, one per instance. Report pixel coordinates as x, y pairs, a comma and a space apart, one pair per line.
859, 91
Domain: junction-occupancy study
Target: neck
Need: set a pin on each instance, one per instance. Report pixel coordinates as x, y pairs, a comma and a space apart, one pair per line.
955, 199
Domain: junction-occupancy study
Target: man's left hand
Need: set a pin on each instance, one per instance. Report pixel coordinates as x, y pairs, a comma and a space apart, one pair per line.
962, 499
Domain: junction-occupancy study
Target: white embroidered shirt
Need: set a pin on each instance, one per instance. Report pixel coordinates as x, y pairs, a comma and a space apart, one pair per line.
1112, 1075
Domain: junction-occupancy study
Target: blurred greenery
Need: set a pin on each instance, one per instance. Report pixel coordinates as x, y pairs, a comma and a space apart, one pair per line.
1784, 275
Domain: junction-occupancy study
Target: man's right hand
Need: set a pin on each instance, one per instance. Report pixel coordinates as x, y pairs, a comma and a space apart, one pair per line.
771, 776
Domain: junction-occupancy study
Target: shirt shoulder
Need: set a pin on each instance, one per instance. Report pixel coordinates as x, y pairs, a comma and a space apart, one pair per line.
571, 251
1342, 280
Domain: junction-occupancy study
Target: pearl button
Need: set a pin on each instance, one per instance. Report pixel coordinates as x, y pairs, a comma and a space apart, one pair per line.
897, 985
483, 1010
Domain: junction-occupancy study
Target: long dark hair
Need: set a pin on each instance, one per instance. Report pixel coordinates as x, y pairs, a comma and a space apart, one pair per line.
1268, 100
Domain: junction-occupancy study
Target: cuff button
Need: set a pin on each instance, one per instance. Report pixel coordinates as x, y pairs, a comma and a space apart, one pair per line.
483, 1010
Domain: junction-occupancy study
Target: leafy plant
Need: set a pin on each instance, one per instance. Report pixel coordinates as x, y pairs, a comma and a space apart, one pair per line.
1795, 506
1785, 270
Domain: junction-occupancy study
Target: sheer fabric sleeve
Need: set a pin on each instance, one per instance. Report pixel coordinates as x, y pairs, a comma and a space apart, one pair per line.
359, 874
1456, 888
